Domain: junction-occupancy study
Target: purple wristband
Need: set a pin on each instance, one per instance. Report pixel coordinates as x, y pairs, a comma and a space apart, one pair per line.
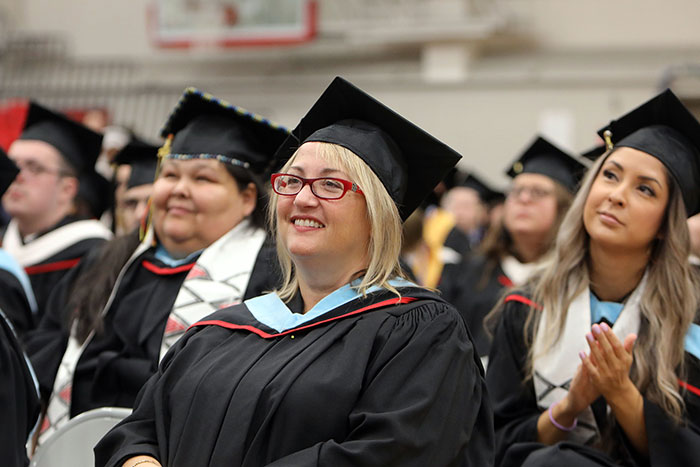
559, 426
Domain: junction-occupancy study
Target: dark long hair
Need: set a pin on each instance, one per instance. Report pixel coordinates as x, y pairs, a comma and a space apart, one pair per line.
94, 284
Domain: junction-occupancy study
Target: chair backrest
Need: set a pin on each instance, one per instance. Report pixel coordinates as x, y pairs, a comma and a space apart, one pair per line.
71, 445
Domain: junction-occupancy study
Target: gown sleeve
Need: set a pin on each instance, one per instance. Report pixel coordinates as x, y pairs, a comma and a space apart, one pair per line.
14, 303
669, 442
47, 343
514, 401
424, 400
137, 434
19, 401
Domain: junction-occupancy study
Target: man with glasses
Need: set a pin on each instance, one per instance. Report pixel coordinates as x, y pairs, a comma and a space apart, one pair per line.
45, 234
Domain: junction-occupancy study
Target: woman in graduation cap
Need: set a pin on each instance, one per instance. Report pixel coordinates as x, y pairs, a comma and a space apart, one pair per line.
347, 363
595, 362
544, 181
205, 247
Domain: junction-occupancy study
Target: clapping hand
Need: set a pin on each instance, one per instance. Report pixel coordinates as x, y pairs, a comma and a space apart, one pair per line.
608, 365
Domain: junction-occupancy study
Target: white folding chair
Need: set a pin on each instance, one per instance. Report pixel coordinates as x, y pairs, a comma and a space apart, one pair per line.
71, 445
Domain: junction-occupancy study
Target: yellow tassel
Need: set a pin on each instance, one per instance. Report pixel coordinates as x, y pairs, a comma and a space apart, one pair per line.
607, 135
163, 151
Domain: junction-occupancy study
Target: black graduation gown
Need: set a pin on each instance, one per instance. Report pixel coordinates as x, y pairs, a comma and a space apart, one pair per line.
45, 274
19, 402
13, 301
458, 241
118, 361
394, 385
516, 413
474, 291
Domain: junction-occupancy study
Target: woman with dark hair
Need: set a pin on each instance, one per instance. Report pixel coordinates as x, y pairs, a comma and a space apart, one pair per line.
596, 362
544, 181
205, 247
347, 363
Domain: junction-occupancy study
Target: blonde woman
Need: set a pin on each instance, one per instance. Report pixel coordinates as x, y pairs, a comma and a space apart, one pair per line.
596, 364
347, 364
545, 179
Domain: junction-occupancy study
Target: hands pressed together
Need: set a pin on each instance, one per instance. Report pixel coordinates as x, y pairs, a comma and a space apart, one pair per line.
605, 371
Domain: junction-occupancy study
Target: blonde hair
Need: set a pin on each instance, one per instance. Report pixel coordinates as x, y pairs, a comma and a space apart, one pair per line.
384, 244
667, 306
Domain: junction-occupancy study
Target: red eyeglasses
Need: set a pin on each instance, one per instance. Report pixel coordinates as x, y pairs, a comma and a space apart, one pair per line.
323, 188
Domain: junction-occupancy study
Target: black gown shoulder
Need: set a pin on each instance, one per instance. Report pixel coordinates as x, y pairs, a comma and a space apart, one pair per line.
19, 401
474, 286
14, 302
45, 275
395, 384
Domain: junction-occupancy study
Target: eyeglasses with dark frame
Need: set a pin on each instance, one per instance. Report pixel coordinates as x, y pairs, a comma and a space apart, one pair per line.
323, 188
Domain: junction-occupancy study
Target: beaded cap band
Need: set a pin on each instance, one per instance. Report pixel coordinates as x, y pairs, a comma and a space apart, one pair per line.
223, 103
218, 157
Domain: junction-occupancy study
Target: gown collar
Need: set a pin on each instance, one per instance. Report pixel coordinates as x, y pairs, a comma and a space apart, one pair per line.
271, 311
601, 310
164, 257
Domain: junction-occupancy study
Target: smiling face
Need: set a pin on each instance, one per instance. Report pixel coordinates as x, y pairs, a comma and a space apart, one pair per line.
317, 231
627, 202
195, 202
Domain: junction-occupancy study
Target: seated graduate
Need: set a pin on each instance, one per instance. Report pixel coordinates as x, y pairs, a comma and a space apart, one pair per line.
205, 248
545, 179
46, 235
346, 364
619, 297
141, 160
19, 395
468, 203
16, 296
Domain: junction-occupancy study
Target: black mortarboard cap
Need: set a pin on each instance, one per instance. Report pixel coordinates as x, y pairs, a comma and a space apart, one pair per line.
78, 144
544, 158
486, 193
96, 191
408, 161
143, 160
204, 126
594, 153
663, 128
8, 172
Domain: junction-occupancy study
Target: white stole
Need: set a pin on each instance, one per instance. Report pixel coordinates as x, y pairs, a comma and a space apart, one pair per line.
218, 279
51, 242
555, 366
517, 272
58, 409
